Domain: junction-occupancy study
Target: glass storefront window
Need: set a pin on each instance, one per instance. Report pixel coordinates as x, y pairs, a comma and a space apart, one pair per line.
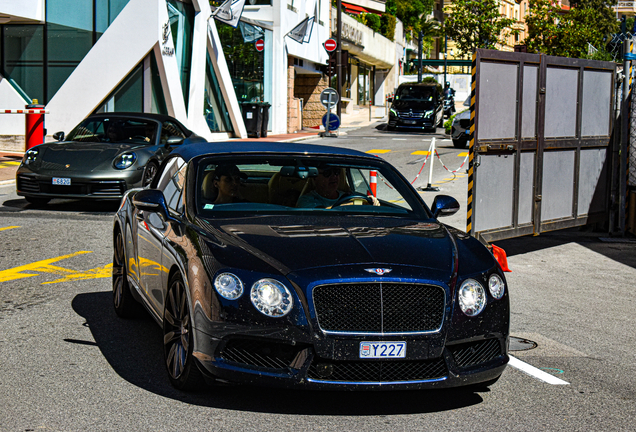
69, 38
105, 13
158, 100
244, 63
128, 96
181, 26
214, 109
23, 54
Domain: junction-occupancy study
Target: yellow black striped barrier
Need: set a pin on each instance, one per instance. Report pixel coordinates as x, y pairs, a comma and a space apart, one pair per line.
471, 147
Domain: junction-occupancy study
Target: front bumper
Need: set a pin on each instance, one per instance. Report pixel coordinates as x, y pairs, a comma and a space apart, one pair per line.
299, 363
36, 185
421, 123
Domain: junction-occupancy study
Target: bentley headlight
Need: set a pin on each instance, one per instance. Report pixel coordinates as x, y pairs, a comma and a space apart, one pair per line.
271, 298
30, 156
228, 286
125, 160
496, 286
472, 297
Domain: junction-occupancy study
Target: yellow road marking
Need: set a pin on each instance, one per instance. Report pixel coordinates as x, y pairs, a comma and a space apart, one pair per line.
421, 152
8, 164
462, 154
46, 266
378, 151
8, 228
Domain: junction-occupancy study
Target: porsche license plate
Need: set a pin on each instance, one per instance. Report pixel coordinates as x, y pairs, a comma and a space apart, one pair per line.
382, 349
64, 181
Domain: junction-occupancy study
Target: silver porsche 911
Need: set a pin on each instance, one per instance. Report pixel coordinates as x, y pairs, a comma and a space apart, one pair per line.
101, 158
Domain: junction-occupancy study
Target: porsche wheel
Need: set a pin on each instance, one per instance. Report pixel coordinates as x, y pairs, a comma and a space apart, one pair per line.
125, 305
149, 173
178, 339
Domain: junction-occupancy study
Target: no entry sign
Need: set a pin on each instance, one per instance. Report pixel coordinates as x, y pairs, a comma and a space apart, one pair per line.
260, 45
330, 45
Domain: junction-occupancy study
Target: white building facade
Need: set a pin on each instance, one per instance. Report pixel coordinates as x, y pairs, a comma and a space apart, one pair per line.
78, 57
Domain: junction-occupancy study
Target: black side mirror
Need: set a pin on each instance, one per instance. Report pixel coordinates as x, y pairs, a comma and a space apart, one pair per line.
151, 200
174, 140
444, 205
58, 136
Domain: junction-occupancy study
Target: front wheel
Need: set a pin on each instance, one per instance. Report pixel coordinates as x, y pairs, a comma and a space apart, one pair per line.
149, 173
178, 338
125, 305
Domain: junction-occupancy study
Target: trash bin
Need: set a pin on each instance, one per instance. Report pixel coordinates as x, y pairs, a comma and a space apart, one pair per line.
265, 108
253, 118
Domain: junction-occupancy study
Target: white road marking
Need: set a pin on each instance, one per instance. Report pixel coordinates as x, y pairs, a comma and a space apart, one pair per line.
535, 373
399, 139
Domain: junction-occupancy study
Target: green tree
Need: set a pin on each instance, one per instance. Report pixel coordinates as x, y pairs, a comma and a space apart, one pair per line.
413, 13
476, 24
589, 23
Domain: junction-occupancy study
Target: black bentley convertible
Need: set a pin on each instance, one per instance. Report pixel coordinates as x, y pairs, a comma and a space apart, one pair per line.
288, 265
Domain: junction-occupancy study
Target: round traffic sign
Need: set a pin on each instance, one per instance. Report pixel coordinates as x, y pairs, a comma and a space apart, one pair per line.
329, 97
334, 122
260, 45
330, 45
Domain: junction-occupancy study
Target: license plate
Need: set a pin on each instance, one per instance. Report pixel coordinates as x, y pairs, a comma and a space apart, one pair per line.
64, 181
410, 122
382, 349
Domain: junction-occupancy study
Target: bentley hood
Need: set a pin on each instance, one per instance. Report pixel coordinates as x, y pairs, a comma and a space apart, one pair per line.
80, 156
347, 242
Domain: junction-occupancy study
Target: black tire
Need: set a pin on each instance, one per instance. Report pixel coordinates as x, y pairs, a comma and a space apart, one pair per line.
38, 202
149, 173
125, 304
178, 340
460, 143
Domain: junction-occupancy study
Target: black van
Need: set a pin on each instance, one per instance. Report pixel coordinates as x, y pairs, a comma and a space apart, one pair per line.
416, 106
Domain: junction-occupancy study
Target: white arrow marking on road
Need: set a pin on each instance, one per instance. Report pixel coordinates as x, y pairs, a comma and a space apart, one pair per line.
535, 373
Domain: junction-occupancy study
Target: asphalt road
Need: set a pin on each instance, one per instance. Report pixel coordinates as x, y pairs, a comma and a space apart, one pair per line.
68, 363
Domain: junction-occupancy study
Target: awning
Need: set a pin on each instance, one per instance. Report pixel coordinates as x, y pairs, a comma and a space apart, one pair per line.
353, 8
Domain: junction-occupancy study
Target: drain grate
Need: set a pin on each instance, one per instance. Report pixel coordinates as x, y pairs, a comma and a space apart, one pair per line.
520, 344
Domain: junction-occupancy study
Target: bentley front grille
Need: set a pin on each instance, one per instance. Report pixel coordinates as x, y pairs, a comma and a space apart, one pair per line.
377, 371
474, 353
379, 307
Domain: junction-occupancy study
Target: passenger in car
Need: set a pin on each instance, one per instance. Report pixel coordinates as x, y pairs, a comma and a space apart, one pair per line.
227, 182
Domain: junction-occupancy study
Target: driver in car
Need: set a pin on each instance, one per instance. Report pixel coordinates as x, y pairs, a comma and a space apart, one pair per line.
326, 193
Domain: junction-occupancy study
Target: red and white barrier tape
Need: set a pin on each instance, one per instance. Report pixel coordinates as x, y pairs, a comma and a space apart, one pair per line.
453, 172
24, 111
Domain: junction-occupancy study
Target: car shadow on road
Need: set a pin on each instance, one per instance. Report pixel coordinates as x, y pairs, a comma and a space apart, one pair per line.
620, 249
85, 207
132, 347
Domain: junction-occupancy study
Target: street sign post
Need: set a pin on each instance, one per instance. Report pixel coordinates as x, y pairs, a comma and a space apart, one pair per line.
329, 97
334, 122
330, 45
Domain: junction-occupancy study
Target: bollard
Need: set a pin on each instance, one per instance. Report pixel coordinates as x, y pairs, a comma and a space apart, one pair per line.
34, 122
430, 170
373, 182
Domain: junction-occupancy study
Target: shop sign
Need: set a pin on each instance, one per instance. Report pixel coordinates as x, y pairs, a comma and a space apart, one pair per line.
165, 34
351, 33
